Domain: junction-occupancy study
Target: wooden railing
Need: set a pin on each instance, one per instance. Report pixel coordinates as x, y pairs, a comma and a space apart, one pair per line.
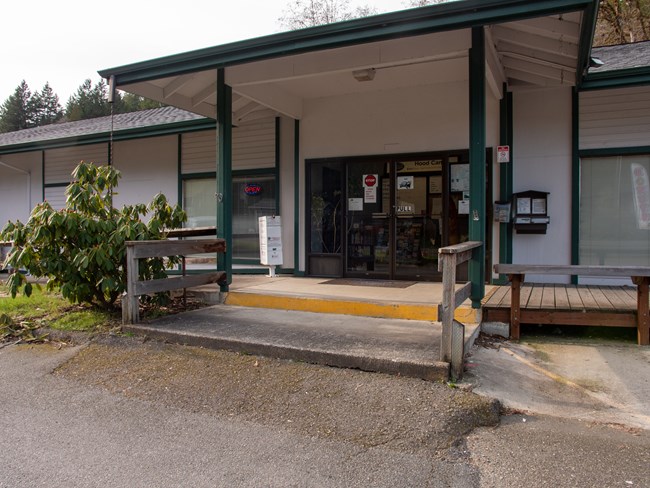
452, 344
136, 250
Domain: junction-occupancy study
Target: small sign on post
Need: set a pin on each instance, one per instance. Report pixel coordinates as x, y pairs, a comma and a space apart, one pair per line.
503, 154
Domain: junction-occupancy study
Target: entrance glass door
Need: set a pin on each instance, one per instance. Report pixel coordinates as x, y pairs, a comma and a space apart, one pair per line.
418, 219
394, 219
368, 220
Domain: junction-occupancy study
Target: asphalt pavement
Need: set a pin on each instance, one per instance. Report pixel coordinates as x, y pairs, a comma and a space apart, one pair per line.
58, 432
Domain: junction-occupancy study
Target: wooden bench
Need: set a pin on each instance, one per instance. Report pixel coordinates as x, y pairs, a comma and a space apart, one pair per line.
640, 276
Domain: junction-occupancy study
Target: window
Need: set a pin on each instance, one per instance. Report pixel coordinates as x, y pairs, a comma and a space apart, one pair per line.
253, 197
615, 210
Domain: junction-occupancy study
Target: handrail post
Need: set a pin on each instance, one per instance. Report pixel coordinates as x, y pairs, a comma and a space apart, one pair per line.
452, 340
131, 309
448, 264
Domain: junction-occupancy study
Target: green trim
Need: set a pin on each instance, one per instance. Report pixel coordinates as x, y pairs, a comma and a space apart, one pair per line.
616, 79
56, 185
477, 118
277, 166
614, 151
575, 181
296, 199
179, 166
411, 22
254, 172
42, 176
587, 31
224, 173
122, 135
505, 178
199, 176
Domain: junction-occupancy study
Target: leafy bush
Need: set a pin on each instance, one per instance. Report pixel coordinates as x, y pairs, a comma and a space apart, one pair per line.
81, 249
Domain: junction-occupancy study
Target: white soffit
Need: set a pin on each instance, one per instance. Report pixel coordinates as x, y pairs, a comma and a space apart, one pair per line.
538, 52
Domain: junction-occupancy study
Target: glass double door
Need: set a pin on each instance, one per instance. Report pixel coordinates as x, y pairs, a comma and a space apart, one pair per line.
395, 219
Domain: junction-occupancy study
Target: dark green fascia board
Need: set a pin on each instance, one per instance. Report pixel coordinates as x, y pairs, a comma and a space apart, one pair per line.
614, 151
587, 31
619, 78
411, 22
122, 135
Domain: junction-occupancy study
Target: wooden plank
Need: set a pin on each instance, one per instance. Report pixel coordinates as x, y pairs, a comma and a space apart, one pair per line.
609, 319
175, 283
626, 301
614, 298
526, 291
515, 308
589, 302
630, 290
580, 270
497, 315
548, 297
163, 248
601, 299
535, 300
561, 298
643, 309
462, 294
459, 248
497, 296
574, 298
447, 263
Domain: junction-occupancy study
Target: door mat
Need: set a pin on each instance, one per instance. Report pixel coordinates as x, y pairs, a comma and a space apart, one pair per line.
375, 283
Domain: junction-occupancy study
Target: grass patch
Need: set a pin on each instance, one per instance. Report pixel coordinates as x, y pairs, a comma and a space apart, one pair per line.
48, 309
81, 320
41, 304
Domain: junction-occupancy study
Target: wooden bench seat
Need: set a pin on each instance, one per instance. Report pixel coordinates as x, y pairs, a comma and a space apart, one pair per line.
620, 315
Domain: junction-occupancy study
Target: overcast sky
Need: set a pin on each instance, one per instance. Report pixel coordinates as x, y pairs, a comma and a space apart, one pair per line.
68, 41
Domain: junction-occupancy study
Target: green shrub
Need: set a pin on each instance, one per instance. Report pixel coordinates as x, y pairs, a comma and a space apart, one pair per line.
82, 248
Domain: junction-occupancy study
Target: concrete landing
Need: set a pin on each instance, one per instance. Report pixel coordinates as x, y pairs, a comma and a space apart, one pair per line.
393, 346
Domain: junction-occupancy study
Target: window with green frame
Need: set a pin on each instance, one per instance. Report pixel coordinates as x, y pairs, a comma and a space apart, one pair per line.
615, 210
254, 195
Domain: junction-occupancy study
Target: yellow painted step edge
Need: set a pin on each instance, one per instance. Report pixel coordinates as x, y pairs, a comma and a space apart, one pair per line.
348, 307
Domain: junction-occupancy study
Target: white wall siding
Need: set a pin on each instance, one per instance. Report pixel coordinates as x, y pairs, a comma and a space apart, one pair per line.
149, 166
59, 163
199, 152
253, 147
542, 161
55, 196
20, 192
615, 118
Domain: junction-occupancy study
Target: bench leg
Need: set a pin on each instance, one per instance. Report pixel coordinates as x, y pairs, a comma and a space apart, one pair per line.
642, 314
515, 305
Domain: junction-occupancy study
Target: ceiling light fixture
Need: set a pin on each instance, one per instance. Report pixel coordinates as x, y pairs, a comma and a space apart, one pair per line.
364, 74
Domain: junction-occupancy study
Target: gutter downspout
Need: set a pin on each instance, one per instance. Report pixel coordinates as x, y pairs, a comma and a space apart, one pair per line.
29, 183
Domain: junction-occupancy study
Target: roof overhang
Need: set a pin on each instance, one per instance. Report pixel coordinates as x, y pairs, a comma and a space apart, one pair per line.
529, 43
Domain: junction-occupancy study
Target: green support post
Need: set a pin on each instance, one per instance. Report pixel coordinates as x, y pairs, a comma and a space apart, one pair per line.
477, 111
224, 173
505, 178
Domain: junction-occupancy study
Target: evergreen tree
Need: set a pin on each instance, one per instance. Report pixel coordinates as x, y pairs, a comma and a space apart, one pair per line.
45, 107
133, 103
88, 102
15, 111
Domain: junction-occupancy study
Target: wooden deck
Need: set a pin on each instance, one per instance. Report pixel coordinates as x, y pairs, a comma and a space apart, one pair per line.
565, 304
